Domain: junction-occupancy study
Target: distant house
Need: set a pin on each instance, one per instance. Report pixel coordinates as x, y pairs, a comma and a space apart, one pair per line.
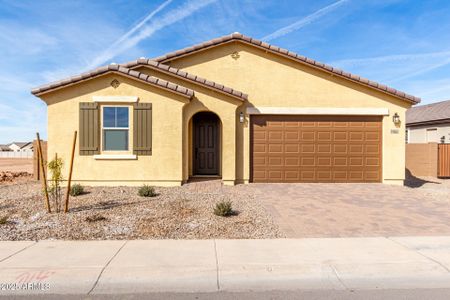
21, 146
428, 123
5, 148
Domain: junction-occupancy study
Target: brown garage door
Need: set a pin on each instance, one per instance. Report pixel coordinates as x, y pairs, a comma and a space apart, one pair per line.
315, 148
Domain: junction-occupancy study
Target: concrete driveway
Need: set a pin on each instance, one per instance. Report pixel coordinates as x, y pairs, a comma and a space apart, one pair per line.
354, 210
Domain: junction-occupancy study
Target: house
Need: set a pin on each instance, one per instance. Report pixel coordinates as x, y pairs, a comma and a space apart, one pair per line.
5, 148
233, 108
429, 123
21, 146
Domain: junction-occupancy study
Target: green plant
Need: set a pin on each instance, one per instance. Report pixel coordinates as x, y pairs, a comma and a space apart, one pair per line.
95, 218
55, 167
223, 208
147, 191
76, 190
4, 220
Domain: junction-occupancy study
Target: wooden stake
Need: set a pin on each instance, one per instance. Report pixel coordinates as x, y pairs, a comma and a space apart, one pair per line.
44, 177
66, 208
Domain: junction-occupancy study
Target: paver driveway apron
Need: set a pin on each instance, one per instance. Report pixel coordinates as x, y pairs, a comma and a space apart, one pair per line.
353, 210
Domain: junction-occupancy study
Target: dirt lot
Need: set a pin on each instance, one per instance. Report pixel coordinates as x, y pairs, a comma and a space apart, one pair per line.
119, 213
16, 165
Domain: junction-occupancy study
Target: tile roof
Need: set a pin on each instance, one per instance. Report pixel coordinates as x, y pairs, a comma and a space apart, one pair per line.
289, 54
179, 73
428, 114
20, 144
119, 70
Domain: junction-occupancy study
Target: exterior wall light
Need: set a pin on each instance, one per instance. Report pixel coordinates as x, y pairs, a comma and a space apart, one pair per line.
396, 119
241, 117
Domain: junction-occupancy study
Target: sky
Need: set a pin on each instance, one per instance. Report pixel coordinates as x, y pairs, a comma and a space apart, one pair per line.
402, 43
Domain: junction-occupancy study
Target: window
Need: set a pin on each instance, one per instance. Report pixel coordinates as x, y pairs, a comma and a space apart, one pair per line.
115, 128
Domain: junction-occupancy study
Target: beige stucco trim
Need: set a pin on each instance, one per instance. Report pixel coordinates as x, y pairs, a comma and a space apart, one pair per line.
115, 99
318, 111
115, 156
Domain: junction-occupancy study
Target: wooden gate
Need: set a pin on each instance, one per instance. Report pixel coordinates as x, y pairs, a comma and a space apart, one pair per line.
444, 160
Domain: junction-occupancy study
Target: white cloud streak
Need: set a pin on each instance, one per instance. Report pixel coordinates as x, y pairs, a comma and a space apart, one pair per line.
419, 63
141, 32
391, 58
140, 24
304, 21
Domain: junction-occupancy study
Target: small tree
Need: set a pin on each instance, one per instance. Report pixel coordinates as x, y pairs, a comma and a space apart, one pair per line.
55, 167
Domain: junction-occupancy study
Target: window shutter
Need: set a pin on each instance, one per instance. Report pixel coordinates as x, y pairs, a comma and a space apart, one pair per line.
89, 128
142, 129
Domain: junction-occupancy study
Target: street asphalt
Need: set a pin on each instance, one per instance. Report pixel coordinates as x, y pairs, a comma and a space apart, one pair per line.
404, 294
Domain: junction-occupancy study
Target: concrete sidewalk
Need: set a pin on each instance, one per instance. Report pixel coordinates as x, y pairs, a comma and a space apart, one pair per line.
106, 267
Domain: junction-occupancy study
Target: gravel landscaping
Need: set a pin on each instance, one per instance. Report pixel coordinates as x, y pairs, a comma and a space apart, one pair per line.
119, 213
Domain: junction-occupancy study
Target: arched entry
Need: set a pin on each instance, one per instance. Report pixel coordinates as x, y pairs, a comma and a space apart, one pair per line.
206, 144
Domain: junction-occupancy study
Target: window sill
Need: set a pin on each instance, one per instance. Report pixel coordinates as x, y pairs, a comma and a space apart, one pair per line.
115, 156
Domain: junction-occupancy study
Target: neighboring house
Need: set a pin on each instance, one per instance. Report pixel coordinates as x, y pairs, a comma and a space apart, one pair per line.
21, 146
429, 123
5, 148
233, 108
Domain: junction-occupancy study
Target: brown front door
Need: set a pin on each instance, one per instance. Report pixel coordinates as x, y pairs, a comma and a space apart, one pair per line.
316, 148
206, 144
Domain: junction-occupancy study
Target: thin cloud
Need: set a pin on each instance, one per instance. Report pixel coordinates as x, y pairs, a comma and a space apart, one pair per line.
142, 32
140, 24
355, 62
421, 62
304, 21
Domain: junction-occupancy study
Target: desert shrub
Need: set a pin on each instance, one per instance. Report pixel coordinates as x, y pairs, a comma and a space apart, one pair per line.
146, 191
76, 190
55, 167
223, 208
4, 220
95, 218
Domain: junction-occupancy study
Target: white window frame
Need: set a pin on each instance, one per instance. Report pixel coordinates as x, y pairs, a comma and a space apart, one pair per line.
115, 128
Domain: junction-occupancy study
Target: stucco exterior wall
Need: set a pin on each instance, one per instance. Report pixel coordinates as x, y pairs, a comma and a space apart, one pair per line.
268, 79
163, 167
225, 107
274, 81
419, 134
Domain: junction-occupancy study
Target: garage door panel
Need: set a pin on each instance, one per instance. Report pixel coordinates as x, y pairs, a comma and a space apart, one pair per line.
324, 161
324, 136
340, 149
308, 136
356, 149
315, 149
373, 149
275, 148
291, 136
275, 162
307, 148
373, 136
275, 136
323, 148
325, 124
293, 161
340, 136
292, 148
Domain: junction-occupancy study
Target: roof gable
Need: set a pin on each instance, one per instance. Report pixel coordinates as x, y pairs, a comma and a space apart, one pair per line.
238, 37
157, 82
186, 76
